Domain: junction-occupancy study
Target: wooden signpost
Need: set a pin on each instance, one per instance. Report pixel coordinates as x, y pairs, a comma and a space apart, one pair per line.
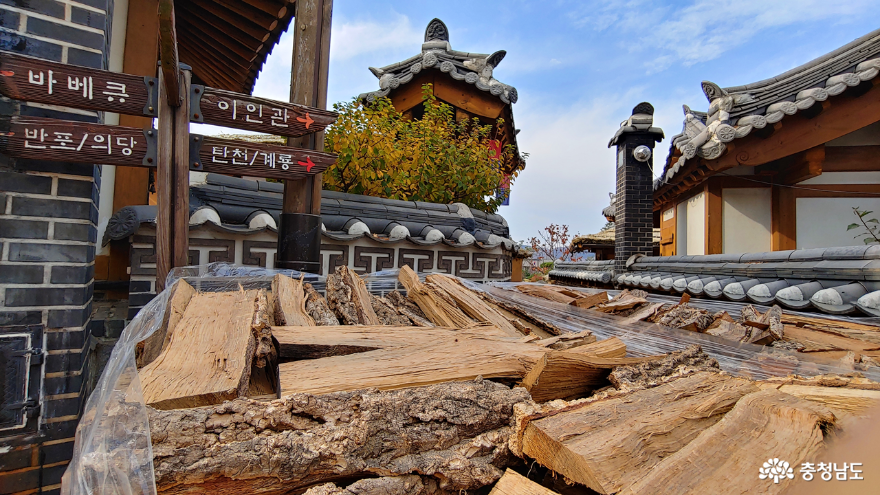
171, 148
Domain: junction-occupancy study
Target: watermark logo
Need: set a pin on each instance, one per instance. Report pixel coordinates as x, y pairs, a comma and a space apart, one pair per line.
776, 470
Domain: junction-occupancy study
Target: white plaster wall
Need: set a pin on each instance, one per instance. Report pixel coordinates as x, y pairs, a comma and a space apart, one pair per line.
865, 136
822, 222
696, 220
746, 220
681, 229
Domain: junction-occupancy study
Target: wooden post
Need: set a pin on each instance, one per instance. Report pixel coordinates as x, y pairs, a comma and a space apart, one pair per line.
299, 235
172, 180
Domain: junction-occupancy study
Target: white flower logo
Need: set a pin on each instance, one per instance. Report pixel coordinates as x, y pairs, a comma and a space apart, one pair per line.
776, 469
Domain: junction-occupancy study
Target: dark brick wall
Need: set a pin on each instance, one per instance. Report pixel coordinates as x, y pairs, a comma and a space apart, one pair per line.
48, 217
634, 219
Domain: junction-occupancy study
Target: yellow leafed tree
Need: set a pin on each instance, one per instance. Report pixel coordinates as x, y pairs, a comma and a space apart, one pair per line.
433, 159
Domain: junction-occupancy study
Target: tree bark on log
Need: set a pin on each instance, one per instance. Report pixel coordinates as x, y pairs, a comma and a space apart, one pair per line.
349, 299
386, 312
454, 432
317, 308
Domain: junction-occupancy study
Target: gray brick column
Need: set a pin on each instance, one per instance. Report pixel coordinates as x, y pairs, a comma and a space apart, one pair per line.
634, 218
48, 217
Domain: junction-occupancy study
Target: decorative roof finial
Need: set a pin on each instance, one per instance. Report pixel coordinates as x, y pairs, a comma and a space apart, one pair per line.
712, 90
643, 108
436, 31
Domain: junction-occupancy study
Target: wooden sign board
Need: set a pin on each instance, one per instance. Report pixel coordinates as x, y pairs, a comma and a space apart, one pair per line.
81, 142
78, 142
225, 156
53, 83
240, 111
32, 79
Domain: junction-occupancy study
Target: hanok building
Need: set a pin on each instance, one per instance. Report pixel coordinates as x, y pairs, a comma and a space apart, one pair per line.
757, 192
463, 80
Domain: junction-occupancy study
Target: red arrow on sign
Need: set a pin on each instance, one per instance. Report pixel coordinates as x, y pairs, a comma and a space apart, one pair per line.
307, 120
308, 164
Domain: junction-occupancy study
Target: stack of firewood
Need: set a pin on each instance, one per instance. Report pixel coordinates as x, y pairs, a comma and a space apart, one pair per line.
443, 390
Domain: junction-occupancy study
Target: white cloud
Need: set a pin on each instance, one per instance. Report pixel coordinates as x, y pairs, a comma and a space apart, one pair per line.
705, 29
355, 38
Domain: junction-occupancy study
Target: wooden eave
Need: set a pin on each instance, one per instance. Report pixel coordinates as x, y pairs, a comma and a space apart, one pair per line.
227, 41
856, 108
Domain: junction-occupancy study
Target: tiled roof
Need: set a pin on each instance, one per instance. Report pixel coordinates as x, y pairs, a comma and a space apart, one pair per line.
605, 236
437, 54
838, 280
248, 206
736, 111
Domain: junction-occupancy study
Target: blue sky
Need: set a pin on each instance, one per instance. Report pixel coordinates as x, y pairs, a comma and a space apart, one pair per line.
580, 66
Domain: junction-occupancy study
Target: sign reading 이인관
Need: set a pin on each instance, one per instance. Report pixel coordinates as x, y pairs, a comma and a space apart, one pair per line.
39, 81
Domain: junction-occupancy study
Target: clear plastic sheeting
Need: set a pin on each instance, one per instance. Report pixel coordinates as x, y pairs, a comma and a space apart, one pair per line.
645, 339
113, 453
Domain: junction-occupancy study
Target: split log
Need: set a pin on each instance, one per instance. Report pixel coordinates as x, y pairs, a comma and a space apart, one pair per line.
180, 296
298, 343
465, 358
349, 299
456, 433
209, 357
290, 302
566, 341
609, 444
545, 293
761, 425
472, 304
737, 332
840, 400
513, 483
438, 306
569, 375
409, 309
317, 308
518, 311
591, 300
608, 348
657, 371
643, 313
844, 328
387, 313
818, 340
622, 301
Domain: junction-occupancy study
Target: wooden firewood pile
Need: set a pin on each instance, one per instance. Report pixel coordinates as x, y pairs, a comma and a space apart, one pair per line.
445, 390
855, 346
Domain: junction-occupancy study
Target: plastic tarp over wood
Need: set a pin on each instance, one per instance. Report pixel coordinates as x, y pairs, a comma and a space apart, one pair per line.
113, 456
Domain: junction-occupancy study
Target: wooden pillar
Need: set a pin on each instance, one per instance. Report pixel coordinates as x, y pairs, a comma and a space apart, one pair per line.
783, 219
299, 234
172, 180
714, 225
132, 183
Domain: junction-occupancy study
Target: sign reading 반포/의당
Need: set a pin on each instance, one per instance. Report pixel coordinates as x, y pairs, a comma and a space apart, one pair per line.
81, 142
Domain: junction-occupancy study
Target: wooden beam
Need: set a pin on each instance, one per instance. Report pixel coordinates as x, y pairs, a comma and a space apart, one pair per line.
164, 181
180, 186
168, 51
807, 165
783, 219
851, 158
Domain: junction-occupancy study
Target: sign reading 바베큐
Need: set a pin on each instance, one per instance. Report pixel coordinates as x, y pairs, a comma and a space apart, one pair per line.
81, 142
40, 81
